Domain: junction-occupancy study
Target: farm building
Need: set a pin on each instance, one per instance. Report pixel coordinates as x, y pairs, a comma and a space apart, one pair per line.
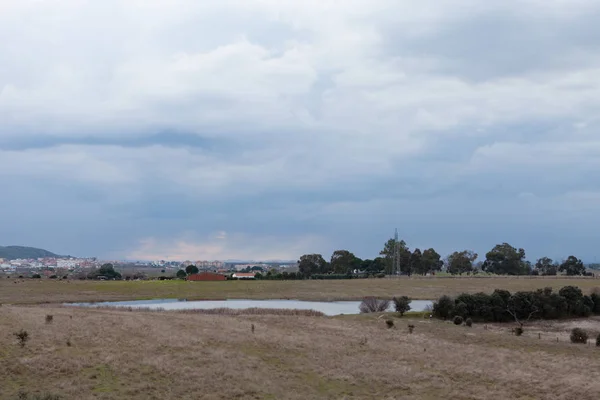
206, 276
244, 275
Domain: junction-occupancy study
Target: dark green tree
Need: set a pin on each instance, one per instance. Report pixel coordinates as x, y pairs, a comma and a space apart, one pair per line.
181, 274
416, 262
401, 304
343, 262
191, 269
460, 262
310, 264
444, 307
373, 266
572, 266
431, 261
545, 266
504, 259
107, 270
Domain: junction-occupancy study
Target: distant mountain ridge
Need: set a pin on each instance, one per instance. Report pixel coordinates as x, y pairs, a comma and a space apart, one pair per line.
24, 252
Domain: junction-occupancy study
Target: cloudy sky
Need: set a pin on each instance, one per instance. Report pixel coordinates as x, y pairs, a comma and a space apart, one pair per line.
264, 129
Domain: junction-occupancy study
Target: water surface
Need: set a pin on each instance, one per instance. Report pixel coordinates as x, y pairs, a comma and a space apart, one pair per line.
326, 307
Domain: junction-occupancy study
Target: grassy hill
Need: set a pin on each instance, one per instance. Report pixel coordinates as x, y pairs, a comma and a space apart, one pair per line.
15, 252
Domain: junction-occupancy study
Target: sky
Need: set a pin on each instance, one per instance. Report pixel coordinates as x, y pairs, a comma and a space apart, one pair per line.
263, 129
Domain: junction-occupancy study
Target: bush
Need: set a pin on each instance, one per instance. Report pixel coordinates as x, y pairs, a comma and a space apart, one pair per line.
598, 340
443, 308
373, 304
461, 309
36, 276
401, 304
389, 323
469, 322
52, 277
380, 275
578, 335
519, 330
458, 320
49, 318
22, 336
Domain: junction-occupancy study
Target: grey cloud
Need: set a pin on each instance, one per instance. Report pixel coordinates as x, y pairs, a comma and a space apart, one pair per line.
503, 42
322, 129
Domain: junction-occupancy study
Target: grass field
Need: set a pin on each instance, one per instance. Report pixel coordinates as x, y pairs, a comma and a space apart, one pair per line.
118, 354
162, 355
33, 291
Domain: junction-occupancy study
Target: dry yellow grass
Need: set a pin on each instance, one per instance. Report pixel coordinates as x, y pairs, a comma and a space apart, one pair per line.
32, 291
162, 355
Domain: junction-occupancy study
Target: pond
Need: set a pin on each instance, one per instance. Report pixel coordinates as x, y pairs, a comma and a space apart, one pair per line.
326, 307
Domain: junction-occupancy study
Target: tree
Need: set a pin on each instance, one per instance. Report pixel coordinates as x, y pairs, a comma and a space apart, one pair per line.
107, 270
312, 264
373, 266
460, 262
388, 254
416, 262
545, 266
504, 259
191, 269
402, 304
343, 262
572, 266
444, 307
181, 274
431, 261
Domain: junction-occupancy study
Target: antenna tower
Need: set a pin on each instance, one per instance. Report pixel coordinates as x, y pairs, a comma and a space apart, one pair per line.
396, 256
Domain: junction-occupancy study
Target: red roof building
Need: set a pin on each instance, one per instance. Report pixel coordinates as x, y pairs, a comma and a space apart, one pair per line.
206, 276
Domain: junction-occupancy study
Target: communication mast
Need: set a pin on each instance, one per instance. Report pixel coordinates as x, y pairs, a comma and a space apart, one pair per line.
396, 255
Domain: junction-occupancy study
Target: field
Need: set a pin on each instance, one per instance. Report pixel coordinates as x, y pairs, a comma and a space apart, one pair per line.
33, 291
107, 354
118, 354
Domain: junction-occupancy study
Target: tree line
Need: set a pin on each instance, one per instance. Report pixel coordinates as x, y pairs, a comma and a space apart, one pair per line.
502, 259
502, 306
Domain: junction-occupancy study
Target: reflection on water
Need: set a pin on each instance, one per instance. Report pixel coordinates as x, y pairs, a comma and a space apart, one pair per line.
328, 308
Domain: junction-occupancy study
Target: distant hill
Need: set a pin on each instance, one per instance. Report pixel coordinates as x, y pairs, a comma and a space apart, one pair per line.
15, 252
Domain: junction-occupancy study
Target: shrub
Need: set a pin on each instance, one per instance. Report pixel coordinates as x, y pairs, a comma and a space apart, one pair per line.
49, 318
380, 275
469, 322
519, 330
443, 308
578, 335
458, 320
389, 323
22, 336
411, 328
36, 276
598, 340
401, 304
373, 304
461, 309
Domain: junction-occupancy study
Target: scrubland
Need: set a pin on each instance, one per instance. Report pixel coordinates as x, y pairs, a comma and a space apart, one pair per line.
114, 354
